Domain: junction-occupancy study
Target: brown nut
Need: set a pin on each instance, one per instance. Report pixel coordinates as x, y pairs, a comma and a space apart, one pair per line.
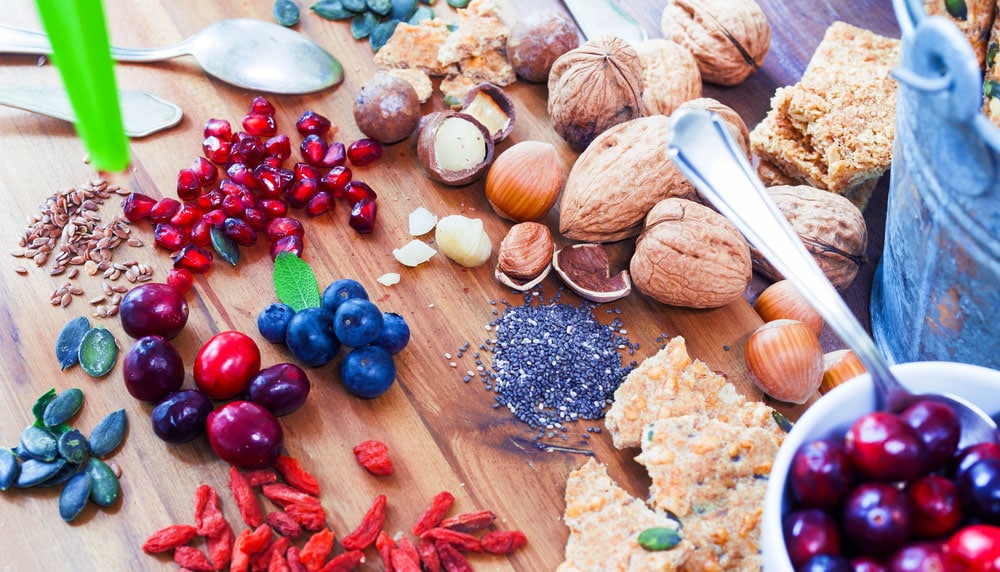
593, 88
670, 75
840, 366
525, 256
585, 269
493, 108
525, 180
454, 148
387, 108
729, 38
785, 360
537, 40
737, 127
782, 301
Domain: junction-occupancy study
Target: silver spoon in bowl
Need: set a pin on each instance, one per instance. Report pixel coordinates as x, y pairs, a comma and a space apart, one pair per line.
703, 149
244, 52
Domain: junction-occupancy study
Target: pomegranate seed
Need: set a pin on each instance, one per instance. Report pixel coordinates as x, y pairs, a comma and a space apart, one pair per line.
305, 171
230, 187
164, 209
291, 244
300, 193
271, 161
211, 200
284, 226
312, 123
336, 181
196, 259
188, 184
180, 279
240, 232
187, 215
241, 174
258, 124
216, 149
320, 203
364, 152
247, 198
273, 208
201, 232
356, 190
273, 181
248, 149
279, 146
335, 155
313, 149
207, 172
214, 217
256, 218
218, 128
232, 205
362, 217
136, 206
169, 236
261, 106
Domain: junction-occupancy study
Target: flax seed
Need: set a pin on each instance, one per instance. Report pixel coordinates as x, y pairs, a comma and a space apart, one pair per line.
20, 269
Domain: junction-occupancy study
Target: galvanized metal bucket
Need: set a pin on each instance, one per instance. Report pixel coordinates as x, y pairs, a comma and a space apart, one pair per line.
936, 294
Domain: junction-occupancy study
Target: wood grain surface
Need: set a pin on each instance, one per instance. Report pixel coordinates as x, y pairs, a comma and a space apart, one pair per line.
443, 434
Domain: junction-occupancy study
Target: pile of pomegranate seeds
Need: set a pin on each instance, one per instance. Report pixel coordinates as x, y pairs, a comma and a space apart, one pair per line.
256, 190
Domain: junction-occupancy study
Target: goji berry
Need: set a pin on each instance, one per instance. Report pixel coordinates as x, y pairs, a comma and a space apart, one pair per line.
296, 476
374, 456
344, 562
246, 502
503, 541
248, 543
192, 559
208, 519
451, 559
469, 521
260, 477
311, 516
317, 549
401, 562
428, 555
284, 524
364, 535
169, 538
261, 561
284, 495
278, 564
294, 562
460, 540
240, 560
220, 546
406, 547
440, 505
385, 545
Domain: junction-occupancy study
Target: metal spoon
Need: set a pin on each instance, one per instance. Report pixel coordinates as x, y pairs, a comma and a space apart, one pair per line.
248, 53
703, 149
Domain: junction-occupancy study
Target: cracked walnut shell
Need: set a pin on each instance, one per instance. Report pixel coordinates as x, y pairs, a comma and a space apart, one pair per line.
728, 38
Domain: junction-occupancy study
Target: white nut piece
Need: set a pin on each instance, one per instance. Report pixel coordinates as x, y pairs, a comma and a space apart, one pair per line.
413, 254
459, 145
463, 240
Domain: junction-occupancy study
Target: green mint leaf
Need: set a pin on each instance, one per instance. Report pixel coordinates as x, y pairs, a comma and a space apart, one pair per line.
294, 282
38, 409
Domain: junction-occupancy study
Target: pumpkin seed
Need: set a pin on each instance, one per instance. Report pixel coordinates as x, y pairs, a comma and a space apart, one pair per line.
106, 488
363, 24
784, 423
38, 409
957, 8
8, 468
458, 3
34, 471
74, 496
73, 447
659, 538
420, 14
68, 342
332, 10
108, 433
63, 407
66, 473
357, 6
224, 246
285, 12
39, 444
380, 7
98, 352
402, 9
381, 34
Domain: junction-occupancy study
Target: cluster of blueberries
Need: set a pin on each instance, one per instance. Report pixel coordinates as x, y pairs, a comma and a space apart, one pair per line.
345, 317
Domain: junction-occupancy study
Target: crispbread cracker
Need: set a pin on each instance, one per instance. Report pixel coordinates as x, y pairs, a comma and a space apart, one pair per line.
416, 47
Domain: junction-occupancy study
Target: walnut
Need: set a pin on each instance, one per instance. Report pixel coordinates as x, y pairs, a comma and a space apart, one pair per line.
729, 38
689, 255
737, 127
670, 75
593, 88
831, 227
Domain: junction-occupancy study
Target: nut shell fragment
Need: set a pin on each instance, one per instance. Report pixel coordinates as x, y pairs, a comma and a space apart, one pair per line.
492, 107
525, 256
585, 269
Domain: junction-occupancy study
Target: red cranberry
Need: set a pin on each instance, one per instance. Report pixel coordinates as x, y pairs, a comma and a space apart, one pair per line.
196, 259
809, 532
877, 518
273, 208
279, 146
240, 232
821, 474
300, 192
826, 563
336, 180
313, 149
216, 149
867, 564
312, 123
976, 547
363, 215
937, 508
364, 152
259, 124
335, 155
137, 206
979, 486
207, 172
261, 106
884, 447
920, 557
170, 237
164, 209
187, 215
357, 190
939, 428
320, 203
180, 279
245, 434
971, 454
289, 243
284, 226
188, 185
218, 128
153, 309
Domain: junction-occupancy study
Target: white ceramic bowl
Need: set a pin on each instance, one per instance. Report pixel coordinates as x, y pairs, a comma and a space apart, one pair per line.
832, 415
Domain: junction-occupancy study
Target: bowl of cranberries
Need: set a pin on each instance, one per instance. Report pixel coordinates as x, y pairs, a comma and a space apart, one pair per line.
853, 489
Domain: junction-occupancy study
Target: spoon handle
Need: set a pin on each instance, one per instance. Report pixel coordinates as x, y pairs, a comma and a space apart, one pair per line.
20, 41
705, 152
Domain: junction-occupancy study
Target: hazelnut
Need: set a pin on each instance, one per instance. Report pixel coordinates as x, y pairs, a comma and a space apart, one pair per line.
785, 360
525, 180
537, 40
387, 108
493, 108
525, 256
454, 148
840, 366
586, 270
781, 300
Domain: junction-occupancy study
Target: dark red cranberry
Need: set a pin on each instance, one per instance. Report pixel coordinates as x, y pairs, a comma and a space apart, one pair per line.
821, 474
971, 454
336, 180
809, 532
364, 152
216, 149
979, 487
877, 518
362, 217
164, 209
920, 557
201, 232
274, 208
291, 244
207, 172
169, 236
259, 124
305, 171
335, 155
313, 149
196, 259
284, 226
883, 447
279, 146
937, 508
211, 200
180, 279
312, 123
256, 219
826, 563
262, 106
357, 190
939, 428
137, 206
188, 185
867, 564
187, 215
320, 203
239, 231
300, 192
218, 128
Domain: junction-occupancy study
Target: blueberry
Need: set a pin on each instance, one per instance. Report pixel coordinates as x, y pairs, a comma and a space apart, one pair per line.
340, 291
272, 322
368, 371
310, 337
357, 322
395, 333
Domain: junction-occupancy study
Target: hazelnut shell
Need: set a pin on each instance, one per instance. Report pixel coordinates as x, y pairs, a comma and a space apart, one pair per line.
503, 101
428, 128
585, 269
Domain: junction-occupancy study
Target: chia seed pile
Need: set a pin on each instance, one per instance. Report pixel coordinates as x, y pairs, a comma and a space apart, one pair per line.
553, 363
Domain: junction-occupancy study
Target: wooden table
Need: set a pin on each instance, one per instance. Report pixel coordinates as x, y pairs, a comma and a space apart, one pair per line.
443, 434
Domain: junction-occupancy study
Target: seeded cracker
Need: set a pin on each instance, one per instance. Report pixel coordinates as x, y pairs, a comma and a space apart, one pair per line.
418, 79
416, 47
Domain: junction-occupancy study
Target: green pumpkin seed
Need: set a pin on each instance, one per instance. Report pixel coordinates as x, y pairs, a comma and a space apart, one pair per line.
68, 342
381, 34
957, 9
39, 444
380, 7
64, 474
332, 10
420, 14
428, 2
73, 447
224, 246
357, 6
402, 9
105, 490
38, 409
285, 12
8, 468
659, 538
108, 433
784, 423
74, 496
98, 352
458, 3
34, 471
63, 407
363, 24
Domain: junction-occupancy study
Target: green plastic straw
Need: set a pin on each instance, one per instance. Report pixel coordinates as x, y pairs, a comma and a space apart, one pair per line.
81, 52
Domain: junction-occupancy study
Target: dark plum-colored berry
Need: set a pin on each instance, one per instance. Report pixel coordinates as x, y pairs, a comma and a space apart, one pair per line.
357, 322
311, 338
920, 557
395, 333
368, 371
821, 474
281, 388
867, 564
877, 518
883, 447
272, 322
937, 507
808, 533
979, 486
938, 427
971, 454
826, 563
181, 416
340, 291
245, 434
152, 369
